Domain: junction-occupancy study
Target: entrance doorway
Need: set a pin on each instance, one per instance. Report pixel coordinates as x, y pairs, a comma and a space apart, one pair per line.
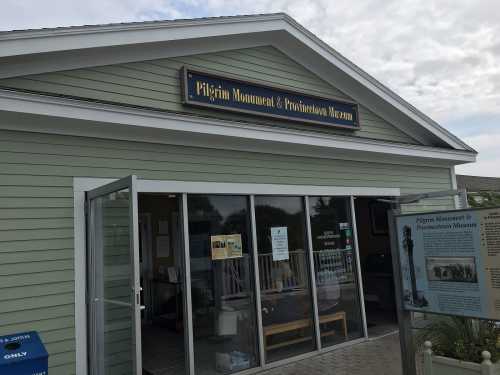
376, 265
161, 275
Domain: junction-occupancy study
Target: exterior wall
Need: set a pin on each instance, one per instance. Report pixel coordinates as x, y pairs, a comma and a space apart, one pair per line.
155, 84
36, 210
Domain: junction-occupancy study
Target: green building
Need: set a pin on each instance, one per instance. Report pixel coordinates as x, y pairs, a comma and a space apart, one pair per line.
201, 196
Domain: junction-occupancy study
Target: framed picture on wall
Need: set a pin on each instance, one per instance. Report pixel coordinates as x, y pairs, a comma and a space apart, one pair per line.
378, 218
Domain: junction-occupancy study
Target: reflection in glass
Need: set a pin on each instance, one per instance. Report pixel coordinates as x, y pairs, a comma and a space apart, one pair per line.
223, 304
284, 276
334, 264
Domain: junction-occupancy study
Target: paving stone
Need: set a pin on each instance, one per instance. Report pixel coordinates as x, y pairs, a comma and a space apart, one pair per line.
380, 356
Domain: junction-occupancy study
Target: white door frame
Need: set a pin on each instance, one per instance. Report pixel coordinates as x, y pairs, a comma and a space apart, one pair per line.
82, 185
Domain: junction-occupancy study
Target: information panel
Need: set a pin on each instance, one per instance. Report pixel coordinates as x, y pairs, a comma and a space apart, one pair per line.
450, 262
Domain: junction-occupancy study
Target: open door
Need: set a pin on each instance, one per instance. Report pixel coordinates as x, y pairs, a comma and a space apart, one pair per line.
113, 279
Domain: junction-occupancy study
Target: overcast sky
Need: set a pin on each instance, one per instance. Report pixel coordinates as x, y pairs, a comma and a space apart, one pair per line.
442, 56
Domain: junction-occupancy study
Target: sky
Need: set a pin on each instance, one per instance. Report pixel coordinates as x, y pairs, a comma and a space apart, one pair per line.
442, 56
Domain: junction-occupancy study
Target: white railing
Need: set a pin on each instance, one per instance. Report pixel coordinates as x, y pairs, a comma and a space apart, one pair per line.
291, 273
332, 266
438, 365
234, 272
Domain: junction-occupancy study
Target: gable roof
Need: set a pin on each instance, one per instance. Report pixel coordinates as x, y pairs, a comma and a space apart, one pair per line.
81, 46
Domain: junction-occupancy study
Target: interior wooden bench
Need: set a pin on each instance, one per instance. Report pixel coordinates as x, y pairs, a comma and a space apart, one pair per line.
295, 325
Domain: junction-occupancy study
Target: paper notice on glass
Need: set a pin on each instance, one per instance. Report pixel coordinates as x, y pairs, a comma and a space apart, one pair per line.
234, 246
279, 240
162, 246
218, 245
226, 246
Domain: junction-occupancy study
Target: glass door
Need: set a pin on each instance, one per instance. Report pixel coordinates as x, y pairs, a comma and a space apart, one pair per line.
113, 279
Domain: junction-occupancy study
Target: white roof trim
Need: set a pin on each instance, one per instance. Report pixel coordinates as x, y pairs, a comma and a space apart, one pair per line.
48, 41
215, 133
23, 42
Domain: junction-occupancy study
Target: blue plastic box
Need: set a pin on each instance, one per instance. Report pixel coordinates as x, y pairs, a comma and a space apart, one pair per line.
23, 354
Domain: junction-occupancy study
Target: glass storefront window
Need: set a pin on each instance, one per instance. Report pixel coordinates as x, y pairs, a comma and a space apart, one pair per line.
287, 312
334, 263
222, 284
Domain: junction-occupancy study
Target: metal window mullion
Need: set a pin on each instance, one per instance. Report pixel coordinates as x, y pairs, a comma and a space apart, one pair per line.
358, 267
258, 306
312, 275
188, 320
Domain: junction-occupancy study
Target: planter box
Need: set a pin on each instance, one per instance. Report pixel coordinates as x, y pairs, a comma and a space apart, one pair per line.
438, 365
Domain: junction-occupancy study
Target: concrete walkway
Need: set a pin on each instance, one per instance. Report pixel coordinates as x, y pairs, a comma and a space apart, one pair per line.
380, 356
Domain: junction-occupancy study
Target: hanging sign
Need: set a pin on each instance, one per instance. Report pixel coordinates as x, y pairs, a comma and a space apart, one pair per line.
450, 262
204, 89
279, 243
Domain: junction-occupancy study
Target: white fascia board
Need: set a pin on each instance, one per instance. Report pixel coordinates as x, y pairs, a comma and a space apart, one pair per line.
74, 38
230, 132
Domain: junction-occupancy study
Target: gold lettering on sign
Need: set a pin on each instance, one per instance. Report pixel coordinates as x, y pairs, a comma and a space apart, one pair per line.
211, 91
339, 115
300, 106
281, 102
262, 101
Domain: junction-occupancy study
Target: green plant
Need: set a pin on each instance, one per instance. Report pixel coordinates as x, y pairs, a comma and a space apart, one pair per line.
461, 338
484, 199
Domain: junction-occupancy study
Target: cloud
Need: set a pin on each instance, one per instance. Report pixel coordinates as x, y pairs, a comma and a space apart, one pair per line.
22, 14
488, 159
443, 56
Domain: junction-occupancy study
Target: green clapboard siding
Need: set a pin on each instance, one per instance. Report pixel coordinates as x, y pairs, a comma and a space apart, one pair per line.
155, 84
36, 211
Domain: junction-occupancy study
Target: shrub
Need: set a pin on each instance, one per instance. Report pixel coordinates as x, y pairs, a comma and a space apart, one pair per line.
462, 338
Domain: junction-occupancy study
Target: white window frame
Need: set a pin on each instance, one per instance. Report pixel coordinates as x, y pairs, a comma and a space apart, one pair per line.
82, 185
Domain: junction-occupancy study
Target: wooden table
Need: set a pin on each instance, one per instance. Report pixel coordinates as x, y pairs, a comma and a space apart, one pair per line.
295, 325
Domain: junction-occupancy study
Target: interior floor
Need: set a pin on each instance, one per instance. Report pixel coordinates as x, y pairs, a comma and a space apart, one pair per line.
162, 351
380, 322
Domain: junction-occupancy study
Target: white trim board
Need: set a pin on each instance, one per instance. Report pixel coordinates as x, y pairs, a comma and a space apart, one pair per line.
280, 31
118, 122
156, 186
83, 184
